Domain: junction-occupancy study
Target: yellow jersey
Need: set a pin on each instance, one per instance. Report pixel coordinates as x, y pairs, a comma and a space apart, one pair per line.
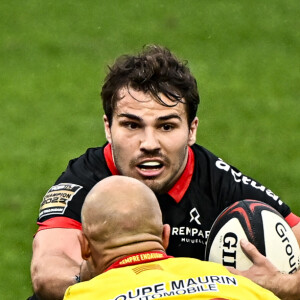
154, 275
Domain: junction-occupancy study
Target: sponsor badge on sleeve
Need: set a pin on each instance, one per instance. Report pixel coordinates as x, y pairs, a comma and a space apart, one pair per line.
56, 199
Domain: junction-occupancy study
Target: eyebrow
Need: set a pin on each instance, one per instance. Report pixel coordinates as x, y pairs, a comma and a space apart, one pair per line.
168, 117
162, 118
129, 116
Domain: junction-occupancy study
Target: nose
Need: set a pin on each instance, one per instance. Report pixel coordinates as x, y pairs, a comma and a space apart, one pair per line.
149, 141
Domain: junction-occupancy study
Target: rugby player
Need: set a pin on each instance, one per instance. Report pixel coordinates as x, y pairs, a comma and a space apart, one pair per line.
123, 241
150, 102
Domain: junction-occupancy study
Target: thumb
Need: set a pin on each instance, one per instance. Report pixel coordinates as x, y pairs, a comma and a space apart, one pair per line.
251, 252
234, 271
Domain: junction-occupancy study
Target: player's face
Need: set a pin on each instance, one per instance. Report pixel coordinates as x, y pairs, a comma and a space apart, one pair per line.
149, 141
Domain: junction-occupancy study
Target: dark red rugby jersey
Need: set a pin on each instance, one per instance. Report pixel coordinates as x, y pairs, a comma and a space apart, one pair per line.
206, 187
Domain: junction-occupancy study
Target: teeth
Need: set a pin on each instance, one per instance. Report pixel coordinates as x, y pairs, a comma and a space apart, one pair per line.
151, 164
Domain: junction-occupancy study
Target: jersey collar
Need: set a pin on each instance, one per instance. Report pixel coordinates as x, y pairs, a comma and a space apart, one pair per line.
179, 188
139, 258
109, 160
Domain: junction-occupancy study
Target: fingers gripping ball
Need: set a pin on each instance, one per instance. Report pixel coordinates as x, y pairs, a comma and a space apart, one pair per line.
261, 225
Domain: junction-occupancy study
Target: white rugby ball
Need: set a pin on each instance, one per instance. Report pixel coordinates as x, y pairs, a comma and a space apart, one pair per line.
260, 224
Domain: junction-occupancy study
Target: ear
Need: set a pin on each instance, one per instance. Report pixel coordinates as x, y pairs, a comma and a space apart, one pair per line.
85, 246
166, 235
107, 128
193, 132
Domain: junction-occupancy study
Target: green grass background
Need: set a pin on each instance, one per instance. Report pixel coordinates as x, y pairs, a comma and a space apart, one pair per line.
53, 58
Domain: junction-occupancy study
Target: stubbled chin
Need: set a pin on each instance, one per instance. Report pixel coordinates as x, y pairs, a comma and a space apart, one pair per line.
156, 186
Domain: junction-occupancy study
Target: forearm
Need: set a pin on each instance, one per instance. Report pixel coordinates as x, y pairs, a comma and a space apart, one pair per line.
55, 262
53, 276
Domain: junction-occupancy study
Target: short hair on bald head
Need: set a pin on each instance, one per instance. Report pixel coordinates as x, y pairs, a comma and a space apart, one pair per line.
120, 206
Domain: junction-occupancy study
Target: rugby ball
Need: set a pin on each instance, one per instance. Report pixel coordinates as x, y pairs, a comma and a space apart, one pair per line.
261, 225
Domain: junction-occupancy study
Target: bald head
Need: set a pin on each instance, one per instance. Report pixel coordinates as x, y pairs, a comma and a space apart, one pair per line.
119, 211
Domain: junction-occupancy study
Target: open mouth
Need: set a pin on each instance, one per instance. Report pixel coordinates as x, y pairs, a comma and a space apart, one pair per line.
150, 165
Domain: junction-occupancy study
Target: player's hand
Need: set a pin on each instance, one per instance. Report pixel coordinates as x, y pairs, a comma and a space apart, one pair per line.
264, 273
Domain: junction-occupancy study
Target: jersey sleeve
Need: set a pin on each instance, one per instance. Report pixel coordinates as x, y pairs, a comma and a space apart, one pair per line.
62, 200
235, 186
62, 203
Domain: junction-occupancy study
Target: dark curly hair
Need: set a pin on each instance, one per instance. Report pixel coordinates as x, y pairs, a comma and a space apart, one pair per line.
155, 70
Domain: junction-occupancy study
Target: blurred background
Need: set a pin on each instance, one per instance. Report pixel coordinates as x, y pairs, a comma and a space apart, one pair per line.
54, 56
